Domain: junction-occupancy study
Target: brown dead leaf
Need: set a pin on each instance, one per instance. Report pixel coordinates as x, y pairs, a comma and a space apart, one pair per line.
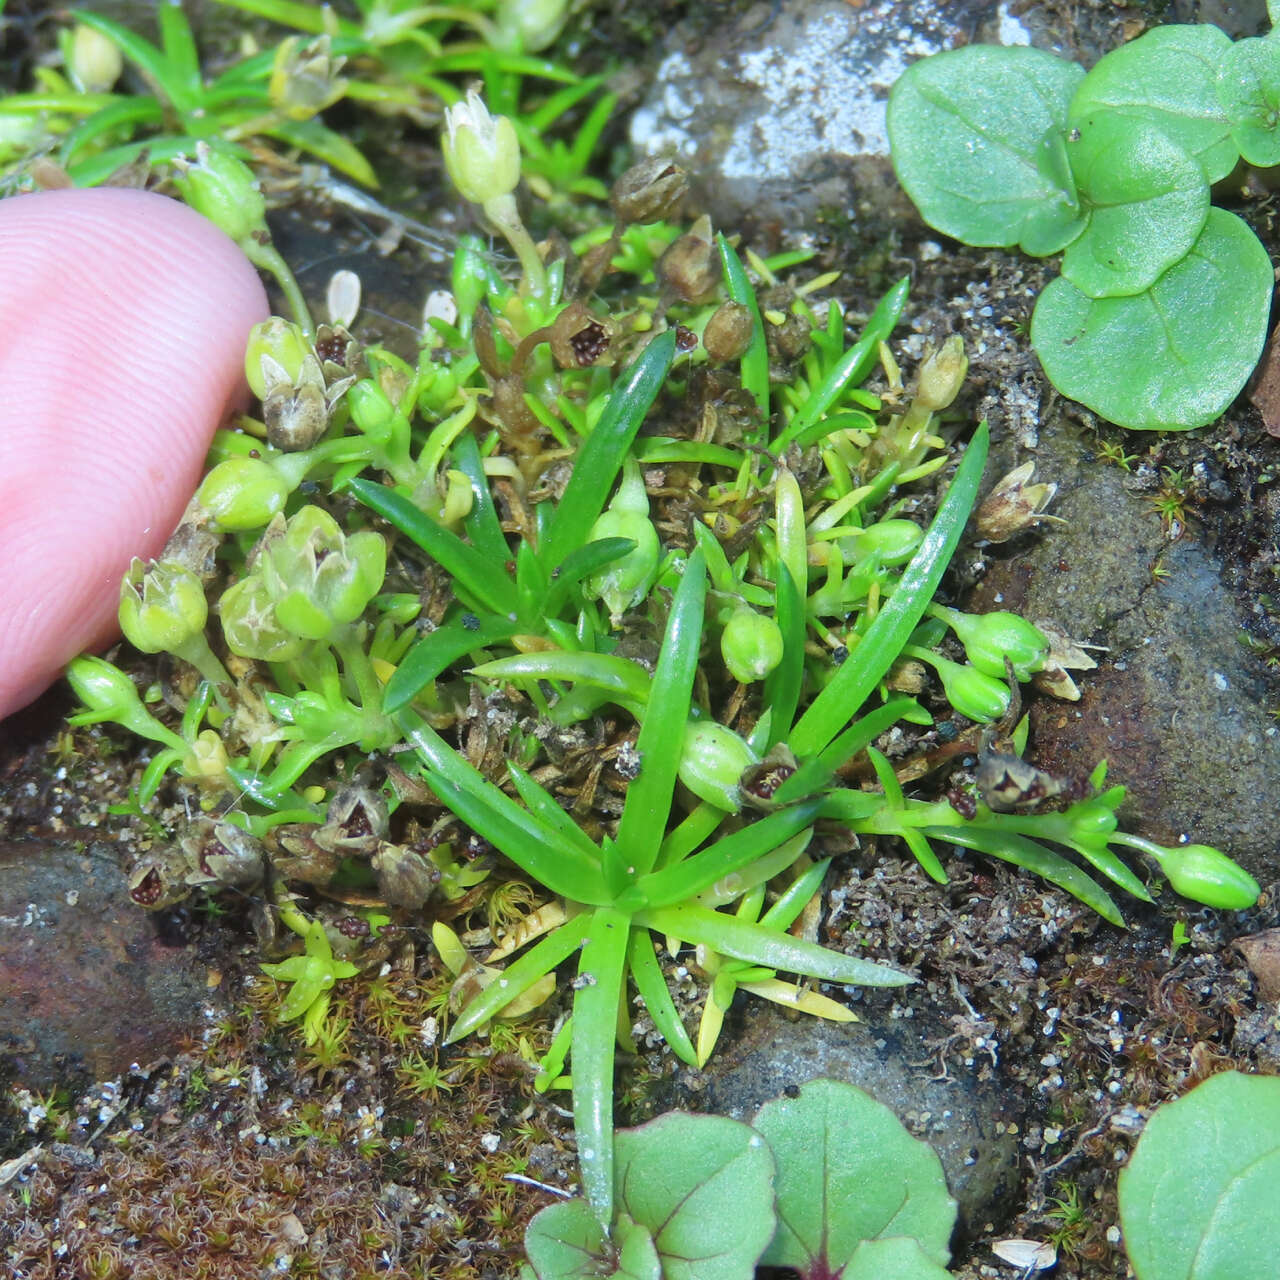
1264, 387
1261, 953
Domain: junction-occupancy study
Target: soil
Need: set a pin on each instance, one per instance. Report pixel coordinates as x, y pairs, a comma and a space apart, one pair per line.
235, 1149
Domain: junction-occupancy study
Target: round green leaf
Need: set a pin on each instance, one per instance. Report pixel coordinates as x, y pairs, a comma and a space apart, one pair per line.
897, 1258
1249, 91
1168, 78
1198, 1198
1174, 356
703, 1185
1148, 202
566, 1242
849, 1172
971, 131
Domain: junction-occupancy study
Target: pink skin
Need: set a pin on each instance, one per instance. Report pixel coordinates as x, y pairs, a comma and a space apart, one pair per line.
124, 317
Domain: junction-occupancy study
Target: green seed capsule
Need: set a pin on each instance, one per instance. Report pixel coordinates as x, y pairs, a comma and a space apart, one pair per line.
622, 583
989, 638
712, 760
751, 645
891, 542
317, 577
980, 697
1203, 874
222, 187
274, 355
162, 605
243, 493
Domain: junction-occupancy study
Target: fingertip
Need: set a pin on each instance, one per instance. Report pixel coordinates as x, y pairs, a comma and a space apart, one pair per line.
126, 316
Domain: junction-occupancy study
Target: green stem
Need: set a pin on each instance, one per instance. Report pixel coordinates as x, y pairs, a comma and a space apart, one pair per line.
268, 258
502, 212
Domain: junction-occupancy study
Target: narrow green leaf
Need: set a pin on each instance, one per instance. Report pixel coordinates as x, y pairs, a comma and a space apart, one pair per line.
533, 846
597, 994
180, 54
851, 368
580, 564
880, 646
684, 880
481, 523
755, 359
657, 998
599, 460
761, 945
783, 684
605, 671
519, 976
1029, 855
648, 803
316, 138
542, 804
473, 572
436, 652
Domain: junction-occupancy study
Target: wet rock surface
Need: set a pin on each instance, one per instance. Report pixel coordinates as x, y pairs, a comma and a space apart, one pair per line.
971, 1119
1179, 705
88, 983
781, 114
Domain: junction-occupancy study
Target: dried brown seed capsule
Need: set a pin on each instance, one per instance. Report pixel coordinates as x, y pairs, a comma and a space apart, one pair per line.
296, 417
649, 191
158, 879
579, 339
357, 820
728, 332
405, 878
221, 853
690, 267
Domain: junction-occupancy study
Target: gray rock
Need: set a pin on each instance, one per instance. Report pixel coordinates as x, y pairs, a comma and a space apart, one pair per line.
1179, 706
972, 1121
88, 983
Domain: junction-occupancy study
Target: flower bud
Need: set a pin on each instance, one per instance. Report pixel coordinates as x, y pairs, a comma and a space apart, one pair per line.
108, 694
728, 332
890, 542
405, 878
980, 697
317, 577
622, 583
990, 638
275, 354
942, 375
751, 645
224, 190
690, 266
481, 152
1203, 874
649, 191
162, 605
94, 61
529, 26
243, 493
712, 761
